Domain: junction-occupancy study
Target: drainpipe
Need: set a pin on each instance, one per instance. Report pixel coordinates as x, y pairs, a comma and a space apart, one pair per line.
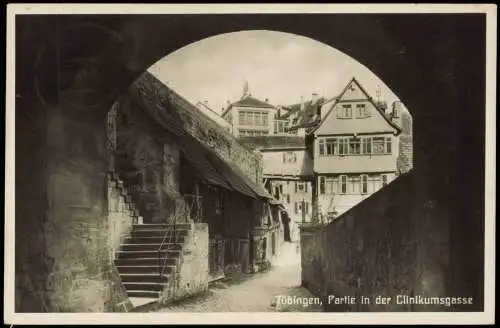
314, 200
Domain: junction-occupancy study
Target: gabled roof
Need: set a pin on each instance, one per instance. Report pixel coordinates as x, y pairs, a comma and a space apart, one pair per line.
381, 112
248, 101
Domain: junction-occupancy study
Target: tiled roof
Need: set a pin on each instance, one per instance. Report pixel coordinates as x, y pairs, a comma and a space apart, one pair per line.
196, 154
207, 162
291, 109
256, 187
232, 177
252, 102
307, 117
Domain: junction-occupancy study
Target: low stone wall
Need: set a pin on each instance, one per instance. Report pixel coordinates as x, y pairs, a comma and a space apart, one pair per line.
394, 243
192, 271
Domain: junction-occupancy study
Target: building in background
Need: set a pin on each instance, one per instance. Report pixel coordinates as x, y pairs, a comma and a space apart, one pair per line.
323, 156
287, 172
355, 148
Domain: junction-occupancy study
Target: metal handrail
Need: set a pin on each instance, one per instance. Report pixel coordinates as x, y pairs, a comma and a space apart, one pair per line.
160, 249
167, 236
171, 235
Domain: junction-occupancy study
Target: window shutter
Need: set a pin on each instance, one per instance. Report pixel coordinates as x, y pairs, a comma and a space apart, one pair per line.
296, 186
321, 185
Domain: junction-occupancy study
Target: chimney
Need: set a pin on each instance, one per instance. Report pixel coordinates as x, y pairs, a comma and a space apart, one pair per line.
302, 103
267, 100
318, 112
205, 103
396, 109
314, 98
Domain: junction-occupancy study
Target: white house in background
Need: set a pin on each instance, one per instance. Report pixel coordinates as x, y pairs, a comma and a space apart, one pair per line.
355, 147
252, 117
213, 115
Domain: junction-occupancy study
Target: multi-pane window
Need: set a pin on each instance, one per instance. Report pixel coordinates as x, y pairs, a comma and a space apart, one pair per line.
328, 146
328, 185
378, 145
343, 146
253, 118
344, 111
258, 119
250, 118
321, 144
300, 186
354, 146
279, 126
351, 184
301, 207
354, 183
331, 146
362, 111
306, 207
331, 185
287, 199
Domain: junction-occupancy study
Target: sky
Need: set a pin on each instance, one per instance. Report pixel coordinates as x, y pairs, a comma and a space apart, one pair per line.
278, 66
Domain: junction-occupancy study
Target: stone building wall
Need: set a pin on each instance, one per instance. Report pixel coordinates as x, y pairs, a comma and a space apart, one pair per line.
147, 160
405, 159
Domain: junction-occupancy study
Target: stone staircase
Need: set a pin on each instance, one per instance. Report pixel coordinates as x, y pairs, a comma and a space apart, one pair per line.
143, 274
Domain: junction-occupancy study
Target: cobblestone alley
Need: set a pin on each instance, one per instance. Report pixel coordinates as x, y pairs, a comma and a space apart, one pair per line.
254, 292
